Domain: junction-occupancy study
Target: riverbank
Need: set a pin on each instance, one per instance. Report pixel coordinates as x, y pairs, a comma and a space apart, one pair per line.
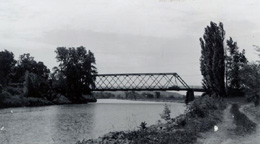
7, 100
201, 116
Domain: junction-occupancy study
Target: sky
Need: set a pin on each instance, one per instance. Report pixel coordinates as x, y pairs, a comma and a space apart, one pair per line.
127, 36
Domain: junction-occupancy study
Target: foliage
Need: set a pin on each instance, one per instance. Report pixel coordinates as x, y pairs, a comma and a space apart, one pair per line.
203, 113
166, 115
143, 125
33, 74
77, 68
1, 88
158, 94
7, 64
36, 86
250, 77
27, 63
14, 90
132, 95
235, 61
201, 107
212, 61
8, 100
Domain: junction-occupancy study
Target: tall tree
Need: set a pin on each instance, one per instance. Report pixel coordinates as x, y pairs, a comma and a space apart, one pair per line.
7, 64
212, 59
78, 67
235, 60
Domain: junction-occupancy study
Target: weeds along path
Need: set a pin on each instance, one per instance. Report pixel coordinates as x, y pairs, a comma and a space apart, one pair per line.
226, 131
255, 137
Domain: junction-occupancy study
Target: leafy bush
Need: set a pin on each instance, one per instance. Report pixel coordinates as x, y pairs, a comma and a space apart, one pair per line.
203, 106
143, 125
3, 96
166, 113
203, 113
7, 100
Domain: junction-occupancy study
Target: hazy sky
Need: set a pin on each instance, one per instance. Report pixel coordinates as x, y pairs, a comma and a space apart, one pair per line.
127, 36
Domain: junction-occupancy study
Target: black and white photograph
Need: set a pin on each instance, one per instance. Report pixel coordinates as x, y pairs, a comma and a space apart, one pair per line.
129, 72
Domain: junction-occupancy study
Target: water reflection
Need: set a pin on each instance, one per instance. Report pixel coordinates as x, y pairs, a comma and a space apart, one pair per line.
73, 122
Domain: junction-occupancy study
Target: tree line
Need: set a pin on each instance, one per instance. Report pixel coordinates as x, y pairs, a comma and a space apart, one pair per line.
226, 70
73, 77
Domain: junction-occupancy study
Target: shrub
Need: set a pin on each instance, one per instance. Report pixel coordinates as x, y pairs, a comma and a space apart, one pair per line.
143, 125
14, 91
203, 113
203, 106
7, 100
166, 113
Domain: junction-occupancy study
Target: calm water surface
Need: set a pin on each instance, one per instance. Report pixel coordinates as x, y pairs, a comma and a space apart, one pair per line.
66, 124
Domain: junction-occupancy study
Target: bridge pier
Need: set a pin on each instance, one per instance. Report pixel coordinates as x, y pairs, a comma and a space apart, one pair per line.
189, 96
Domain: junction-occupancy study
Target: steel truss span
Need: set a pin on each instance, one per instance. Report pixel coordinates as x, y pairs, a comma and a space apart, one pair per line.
141, 82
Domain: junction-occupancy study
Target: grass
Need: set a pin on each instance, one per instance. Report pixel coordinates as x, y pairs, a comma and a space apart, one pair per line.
253, 110
243, 124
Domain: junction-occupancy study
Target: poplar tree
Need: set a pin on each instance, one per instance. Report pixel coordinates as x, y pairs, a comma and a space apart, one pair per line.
212, 61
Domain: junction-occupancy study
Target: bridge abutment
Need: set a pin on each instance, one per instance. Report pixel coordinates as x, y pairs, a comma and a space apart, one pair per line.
189, 96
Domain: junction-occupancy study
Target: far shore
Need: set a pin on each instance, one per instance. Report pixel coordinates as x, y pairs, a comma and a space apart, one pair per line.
11, 101
159, 100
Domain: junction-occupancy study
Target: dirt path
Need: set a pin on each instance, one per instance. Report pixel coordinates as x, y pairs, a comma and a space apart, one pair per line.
225, 133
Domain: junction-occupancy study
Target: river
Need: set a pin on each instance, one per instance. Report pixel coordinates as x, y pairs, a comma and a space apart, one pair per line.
66, 124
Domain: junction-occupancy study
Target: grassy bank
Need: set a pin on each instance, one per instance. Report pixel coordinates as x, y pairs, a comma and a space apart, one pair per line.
243, 124
201, 116
253, 111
